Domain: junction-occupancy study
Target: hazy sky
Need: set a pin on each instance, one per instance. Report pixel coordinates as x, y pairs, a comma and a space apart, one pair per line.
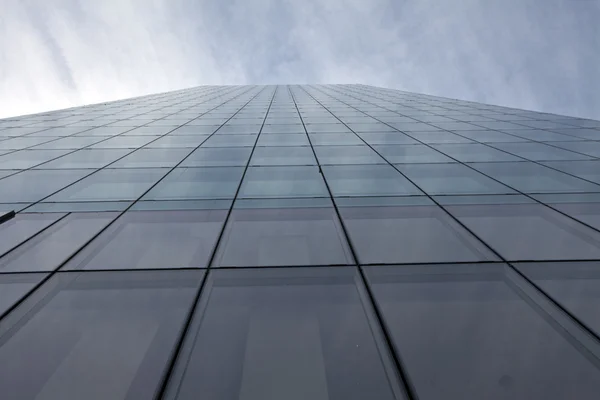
533, 54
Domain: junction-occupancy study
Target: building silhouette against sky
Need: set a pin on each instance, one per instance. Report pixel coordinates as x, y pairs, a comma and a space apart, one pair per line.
299, 242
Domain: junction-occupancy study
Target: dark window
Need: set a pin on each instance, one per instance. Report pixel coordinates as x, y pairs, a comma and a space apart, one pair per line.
47, 250
284, 334
293, 235
154, 239
95, 335
409, 234
467, 332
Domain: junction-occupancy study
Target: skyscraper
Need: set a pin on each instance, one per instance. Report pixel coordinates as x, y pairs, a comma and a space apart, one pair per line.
299, 242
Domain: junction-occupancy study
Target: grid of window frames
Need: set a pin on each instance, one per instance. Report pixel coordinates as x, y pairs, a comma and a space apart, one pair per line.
295, 242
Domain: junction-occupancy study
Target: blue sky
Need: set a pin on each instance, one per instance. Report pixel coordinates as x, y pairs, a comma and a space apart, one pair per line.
533, 54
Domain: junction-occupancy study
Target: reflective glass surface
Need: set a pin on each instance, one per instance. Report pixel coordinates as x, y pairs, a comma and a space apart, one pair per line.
285, 333
283, 182
292, 198
293, 235
148, 239
126, 322
111, 185
409, 234
471, 333
197, 183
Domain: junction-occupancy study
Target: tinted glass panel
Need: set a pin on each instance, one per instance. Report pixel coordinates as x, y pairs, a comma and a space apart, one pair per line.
124, 142
412, 154
47, 250
172, 141
263, 156
161, 239
223, 157
148, 158
533, 178
21, 227
111, 184
347, 155
283, 182
13, 287
292, 139
474, 152
573, 285
92, 158
368, 180
28, 158
529, 232
539, 151
127, 323
586, 147
230, 141
451, 179
409, 234
589, 170
283, 236
387, 138
287, 333
465, 332
197, 183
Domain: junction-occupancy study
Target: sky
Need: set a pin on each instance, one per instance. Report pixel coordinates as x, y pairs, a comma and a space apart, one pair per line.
533, 54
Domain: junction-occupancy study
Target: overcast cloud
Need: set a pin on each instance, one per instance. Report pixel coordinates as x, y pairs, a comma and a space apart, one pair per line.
533, 54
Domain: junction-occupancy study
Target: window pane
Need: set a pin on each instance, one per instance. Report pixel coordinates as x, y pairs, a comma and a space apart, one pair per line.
473, 152
539, 151
171, 141
28, 158
463, 332
542, 136
153, 239
451, 179
148, 158
573, 285
283, 182
71, 143
333, 139
284, 334
586, 212
124, 142
92, 158
589, 170
368, 180
438, 137
529, 232
126, 322
409, 234
292, 139
533, 178
218, 157
14, 286
347, 155
111, 184
197, 183
386, 138
283, 236
49, 249
412, 154
230, 141
19, 143
283, 156
491, 137
21, 227
586, 147
31, 186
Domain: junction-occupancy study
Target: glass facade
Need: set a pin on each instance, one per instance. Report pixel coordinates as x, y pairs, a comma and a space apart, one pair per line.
299, 241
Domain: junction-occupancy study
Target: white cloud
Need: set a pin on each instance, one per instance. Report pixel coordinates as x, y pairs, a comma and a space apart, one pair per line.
536, 54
